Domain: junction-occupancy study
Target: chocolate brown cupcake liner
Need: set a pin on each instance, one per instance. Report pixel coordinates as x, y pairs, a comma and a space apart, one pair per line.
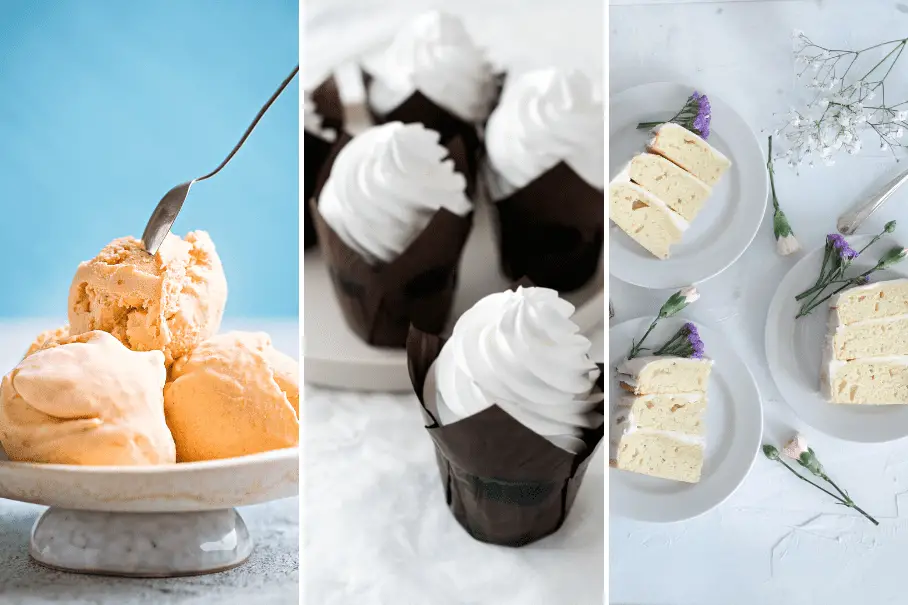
327, 100
552, 230
418, 108
503, 483
317, 151
379, 302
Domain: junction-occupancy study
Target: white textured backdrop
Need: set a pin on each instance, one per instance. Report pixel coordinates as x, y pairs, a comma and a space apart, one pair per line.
776, 540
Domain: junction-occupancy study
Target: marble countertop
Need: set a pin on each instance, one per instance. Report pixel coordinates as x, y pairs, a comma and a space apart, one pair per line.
775, 540
270, 577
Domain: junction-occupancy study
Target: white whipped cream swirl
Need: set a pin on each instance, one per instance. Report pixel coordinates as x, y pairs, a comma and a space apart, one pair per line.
386, 185
521, 351
545, 117
435, 55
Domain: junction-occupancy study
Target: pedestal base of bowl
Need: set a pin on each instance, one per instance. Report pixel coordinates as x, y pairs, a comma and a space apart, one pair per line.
143, 545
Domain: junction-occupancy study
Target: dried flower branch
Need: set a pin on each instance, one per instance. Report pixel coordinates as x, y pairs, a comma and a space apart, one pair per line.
685, 343
785, 240
798, 450
675, 303
837, 258
695, 116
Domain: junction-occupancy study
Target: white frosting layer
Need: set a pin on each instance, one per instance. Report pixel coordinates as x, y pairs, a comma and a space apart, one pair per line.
434, 55
623, 424
521, 351
385, 187
546, 117
312, 120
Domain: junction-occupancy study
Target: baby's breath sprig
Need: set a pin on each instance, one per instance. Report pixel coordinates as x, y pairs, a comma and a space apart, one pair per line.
674, 304
842, 110
837, 258
798, 450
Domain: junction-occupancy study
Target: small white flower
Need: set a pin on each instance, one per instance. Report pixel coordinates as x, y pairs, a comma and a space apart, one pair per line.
833, 83
899, 132
829, 162
690, 294
794, 448
823, 103
883, 145
901, 116
795, 121
814, 83
788, 244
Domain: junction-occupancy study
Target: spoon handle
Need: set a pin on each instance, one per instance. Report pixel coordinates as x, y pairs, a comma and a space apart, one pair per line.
252, 126
849, 222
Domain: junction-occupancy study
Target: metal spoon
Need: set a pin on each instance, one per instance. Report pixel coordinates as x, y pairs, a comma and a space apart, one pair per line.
848, 223
169, 207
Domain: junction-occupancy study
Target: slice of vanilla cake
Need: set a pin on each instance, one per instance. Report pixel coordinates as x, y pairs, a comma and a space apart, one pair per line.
866, 356
660, 430
661, 374
689, 151
644, 217
680, 190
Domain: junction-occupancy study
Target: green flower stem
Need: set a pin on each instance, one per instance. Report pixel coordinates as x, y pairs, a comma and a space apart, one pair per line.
662, 350
813, 305
635, 350
837, 488
806, 480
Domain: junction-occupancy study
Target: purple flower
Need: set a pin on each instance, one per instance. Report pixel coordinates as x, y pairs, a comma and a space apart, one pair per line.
693, 339
701, 120
844, 250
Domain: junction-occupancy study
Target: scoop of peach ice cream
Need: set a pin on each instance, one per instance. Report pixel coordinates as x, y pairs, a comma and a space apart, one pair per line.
48, 338
233, 395
168, 302
86, 399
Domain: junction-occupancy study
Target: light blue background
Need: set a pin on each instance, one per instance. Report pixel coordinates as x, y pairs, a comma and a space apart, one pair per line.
107, 104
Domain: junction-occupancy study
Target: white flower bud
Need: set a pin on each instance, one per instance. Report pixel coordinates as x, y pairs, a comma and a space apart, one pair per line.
794, 448
690, 294
788, 244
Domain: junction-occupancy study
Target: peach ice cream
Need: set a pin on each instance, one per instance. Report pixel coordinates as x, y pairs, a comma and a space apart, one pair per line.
233, 395
168, 302
48, 338
89, 400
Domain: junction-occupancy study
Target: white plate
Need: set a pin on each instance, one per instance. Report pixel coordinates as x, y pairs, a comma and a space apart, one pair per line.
731, 216
185, 487
734, 428
794, 350
334, 356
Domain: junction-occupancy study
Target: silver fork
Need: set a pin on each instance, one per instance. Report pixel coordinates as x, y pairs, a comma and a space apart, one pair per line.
165, 213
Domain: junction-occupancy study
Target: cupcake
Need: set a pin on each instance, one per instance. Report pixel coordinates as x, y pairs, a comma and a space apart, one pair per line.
544, 172
514, 405
323, 121
392, 219
433, 73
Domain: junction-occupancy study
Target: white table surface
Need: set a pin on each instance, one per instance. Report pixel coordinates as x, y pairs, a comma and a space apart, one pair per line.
776, 540
270, 577
378, 531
